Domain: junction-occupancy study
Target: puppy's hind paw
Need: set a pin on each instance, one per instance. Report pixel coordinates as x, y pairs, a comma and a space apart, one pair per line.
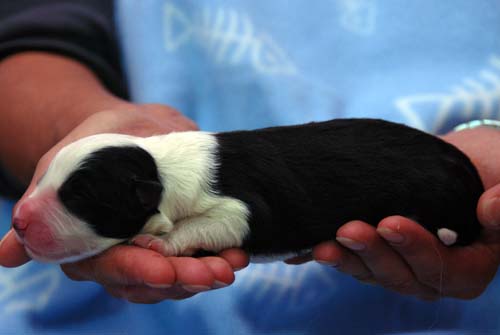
143, 240
447, 236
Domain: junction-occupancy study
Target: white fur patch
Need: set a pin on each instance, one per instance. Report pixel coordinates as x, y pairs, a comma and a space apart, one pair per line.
447, 236
187, 163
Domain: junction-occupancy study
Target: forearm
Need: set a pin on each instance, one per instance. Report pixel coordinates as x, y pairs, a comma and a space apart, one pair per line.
44, 96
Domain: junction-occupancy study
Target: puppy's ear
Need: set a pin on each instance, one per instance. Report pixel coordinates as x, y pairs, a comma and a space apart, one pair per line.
148, 193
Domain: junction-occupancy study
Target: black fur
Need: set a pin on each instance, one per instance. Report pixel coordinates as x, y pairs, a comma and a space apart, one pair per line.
115, 190
303, 182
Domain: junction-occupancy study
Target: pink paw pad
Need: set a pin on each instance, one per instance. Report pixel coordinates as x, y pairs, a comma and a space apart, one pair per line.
143, 241
153, 243
158, 246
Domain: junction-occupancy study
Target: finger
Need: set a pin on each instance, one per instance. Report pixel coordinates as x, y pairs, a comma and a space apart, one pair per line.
146, 295
424, 254
193, 274
333, 254
474, 266
387, 267
488, 209
221, 270
12, 252
237, 258
124, 265
328, 253
461, 272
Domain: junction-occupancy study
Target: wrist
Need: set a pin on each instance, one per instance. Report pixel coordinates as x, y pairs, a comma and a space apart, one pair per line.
478, 144
478, 123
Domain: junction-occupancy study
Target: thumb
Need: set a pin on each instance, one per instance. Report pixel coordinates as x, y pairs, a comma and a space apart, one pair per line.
488, 208
12, 252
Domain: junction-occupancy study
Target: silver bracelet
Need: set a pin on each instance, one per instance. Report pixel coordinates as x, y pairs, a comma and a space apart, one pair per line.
478, 123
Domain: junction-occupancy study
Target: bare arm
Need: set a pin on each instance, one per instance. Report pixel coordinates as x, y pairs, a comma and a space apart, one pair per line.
44, 96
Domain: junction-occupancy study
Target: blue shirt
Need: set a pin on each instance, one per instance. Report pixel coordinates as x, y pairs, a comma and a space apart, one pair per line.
231, 65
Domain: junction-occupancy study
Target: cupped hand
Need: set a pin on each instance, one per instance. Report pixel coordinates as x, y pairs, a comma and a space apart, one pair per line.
144, 276
402, 256
130, 272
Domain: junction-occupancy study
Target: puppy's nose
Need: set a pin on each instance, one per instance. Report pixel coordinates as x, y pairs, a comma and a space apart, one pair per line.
19, 226
22, 217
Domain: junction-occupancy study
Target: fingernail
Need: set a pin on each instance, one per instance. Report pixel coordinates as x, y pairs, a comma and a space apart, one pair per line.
219, 284
158, 285
390, 235
195, 288
351, 244
327, 263
489, 211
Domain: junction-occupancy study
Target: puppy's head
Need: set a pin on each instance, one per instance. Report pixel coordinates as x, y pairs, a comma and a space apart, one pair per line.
97, 192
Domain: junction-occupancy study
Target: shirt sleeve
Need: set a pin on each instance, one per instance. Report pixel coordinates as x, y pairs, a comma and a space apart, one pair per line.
81, 29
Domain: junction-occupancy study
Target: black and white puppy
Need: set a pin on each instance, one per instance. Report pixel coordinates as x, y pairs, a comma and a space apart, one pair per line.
270, 191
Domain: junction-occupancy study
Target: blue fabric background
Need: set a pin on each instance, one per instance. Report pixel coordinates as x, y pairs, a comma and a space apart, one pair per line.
233, 65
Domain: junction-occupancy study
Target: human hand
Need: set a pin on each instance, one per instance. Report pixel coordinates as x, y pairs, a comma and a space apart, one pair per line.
401, 256
126, 271
144, 276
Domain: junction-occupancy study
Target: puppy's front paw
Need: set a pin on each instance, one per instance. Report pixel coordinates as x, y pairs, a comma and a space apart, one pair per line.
155, 243
161, 245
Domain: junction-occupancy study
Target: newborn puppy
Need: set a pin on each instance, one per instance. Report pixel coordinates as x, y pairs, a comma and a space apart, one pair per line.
270, 191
